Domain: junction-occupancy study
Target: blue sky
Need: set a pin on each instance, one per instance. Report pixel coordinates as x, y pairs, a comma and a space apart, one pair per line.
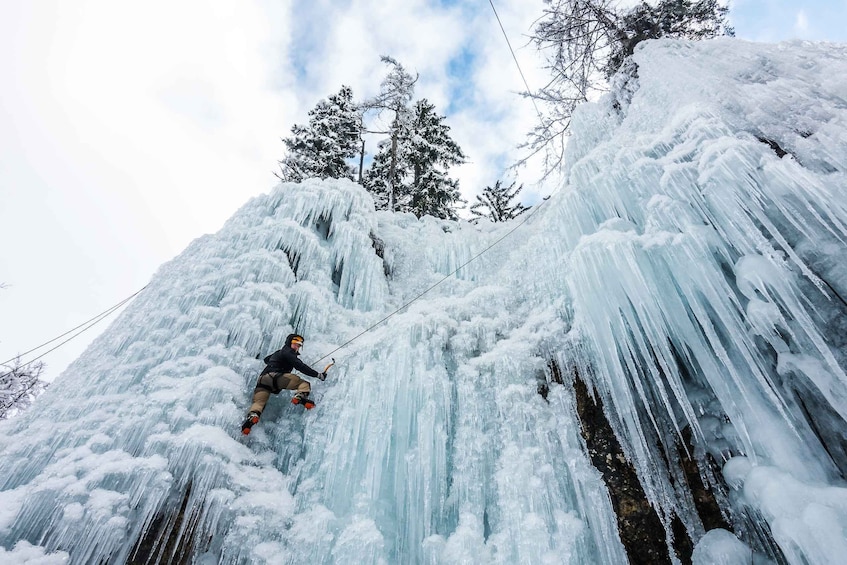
129, 129
777, 20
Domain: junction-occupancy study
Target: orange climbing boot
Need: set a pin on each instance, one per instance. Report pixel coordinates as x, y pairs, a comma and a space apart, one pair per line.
303, 398
252, 420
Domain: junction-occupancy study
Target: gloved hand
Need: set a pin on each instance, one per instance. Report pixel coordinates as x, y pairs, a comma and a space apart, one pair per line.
322, 376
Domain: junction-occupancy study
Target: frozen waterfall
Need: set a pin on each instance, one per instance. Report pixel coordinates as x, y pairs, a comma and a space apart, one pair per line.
690, 274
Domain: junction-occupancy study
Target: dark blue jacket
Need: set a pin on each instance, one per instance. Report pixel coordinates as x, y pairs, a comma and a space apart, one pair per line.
286, 360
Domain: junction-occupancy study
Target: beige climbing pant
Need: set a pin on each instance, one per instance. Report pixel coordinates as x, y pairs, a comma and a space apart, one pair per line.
272, 383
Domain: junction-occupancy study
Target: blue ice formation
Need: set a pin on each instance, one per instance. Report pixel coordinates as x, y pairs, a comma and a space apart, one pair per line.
691, 269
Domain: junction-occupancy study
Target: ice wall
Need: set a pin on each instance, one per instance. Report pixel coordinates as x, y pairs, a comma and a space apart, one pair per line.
704, 225
426, 446
690, 270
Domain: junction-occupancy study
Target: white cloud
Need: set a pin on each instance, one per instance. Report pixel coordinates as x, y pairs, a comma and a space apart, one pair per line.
129, 130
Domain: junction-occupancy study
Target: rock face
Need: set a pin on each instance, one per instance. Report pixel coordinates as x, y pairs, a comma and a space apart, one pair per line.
641, 531
169, 539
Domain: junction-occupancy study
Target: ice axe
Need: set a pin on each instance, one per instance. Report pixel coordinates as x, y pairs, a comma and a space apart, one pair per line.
330, 365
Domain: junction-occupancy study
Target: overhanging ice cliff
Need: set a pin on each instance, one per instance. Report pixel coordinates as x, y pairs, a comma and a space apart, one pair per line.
690, 275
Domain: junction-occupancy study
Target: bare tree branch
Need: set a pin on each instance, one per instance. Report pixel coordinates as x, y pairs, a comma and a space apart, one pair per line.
585, 42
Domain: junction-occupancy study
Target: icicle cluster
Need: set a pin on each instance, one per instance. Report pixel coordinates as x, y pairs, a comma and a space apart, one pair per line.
706, 230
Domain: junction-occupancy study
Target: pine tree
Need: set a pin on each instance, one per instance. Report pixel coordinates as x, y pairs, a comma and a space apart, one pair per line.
494, 203
396, 91
19, 385
409, 171
323, 147
431, 151
384, 178
419, 154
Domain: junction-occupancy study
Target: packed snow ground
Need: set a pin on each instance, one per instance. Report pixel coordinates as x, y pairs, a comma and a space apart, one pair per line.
692, 268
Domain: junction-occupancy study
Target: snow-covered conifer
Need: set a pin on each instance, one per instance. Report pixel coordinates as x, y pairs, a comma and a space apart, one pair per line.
384, 178
431, 152
495, 203
323, 147
395, 95
418, 155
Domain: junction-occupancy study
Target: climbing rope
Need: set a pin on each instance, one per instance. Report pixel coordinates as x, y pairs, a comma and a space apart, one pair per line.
517, 64
532, 212
88, 325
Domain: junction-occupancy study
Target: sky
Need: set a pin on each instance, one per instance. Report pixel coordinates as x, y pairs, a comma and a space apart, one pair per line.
129, 129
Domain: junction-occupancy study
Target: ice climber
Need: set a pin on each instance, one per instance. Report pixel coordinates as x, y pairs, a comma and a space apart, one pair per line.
277, 376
